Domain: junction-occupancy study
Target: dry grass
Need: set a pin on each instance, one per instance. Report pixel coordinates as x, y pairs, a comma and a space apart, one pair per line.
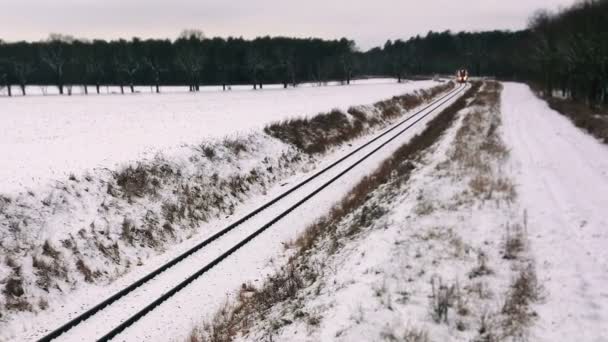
326, 130
478, 149
144, 179
524, 291
234, 318
443, 297
316, 135
515, 242
409, 335
482, 268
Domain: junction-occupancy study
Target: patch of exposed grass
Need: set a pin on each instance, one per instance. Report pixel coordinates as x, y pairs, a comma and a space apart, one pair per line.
326, 130
443, 297
524, 290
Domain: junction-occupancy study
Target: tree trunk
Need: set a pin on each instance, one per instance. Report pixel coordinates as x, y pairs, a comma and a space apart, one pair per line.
60, 86
122, 89
255, 85
86, 90
23, 89
157, 88
132, 88
97, 88
261, 85
8, 88
224, 86
594, 92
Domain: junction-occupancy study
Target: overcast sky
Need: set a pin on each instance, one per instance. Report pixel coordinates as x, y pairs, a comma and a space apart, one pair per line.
369, 23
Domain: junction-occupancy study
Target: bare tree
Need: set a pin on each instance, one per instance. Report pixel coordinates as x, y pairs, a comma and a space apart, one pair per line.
347, 68
94, 69
6, 69
54, 57
22, 72
155, 69
256, 67
287, 67
191, 63
4, 83
129, 67
117, 65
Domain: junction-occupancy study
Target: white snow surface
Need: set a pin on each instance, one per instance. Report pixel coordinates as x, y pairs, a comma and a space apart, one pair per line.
44, 138
174, 319
563, 184
376, 287
73, 214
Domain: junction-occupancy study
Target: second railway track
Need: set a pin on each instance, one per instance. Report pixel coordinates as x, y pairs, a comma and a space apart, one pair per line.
118, 313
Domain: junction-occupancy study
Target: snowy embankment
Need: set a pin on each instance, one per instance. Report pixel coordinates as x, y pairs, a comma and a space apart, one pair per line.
430, 247
45, 138
497, 232
562, 179
82, 234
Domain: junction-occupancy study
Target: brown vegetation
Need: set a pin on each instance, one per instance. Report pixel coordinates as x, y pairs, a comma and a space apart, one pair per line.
594, 121
327, 130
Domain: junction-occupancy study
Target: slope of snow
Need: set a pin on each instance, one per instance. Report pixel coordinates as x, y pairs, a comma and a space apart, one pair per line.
173, 319
45, 138
563, 184
428, 227
78, 215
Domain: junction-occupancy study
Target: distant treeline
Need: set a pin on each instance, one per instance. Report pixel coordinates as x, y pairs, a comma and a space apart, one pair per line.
190, 60
566, 51
569, 51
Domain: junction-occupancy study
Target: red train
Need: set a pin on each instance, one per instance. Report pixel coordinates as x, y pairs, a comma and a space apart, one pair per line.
462, 76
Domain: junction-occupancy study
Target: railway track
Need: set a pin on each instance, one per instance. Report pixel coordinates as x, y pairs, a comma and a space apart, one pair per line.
170, 279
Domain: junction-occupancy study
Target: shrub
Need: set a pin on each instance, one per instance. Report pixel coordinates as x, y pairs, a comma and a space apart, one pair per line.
326, 130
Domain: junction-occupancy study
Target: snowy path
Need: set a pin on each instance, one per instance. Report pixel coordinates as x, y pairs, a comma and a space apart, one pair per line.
45, 138
563, 184
174, 319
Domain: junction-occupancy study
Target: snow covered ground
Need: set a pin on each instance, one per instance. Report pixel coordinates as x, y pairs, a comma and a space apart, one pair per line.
45, 138
562, 175
61, 237
453, 222
505, 221
173, 320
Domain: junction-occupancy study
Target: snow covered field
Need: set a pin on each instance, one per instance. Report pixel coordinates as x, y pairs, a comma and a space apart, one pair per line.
562, 175
512, 171
65, 235
505, 225
380, 270
46, 138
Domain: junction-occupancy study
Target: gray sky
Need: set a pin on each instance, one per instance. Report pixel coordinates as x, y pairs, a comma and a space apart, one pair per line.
369, 23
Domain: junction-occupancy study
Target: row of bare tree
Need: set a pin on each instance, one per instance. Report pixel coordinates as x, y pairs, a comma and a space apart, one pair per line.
191, 60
